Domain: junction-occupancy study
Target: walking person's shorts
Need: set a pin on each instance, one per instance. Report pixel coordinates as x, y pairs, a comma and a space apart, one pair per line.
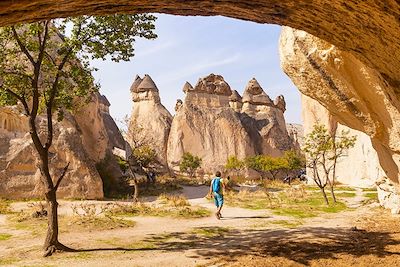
218, 199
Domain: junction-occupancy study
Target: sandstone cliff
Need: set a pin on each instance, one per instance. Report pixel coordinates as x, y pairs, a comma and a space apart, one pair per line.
356, 95
150, 121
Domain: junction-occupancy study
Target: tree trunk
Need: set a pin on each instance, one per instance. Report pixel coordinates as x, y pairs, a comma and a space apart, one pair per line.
333, 193
51, 242
325, 197
136, 191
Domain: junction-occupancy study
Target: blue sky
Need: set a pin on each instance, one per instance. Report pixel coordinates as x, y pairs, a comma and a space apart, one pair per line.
188, 48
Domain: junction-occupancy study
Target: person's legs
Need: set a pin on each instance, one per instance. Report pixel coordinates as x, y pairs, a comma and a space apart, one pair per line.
219, 201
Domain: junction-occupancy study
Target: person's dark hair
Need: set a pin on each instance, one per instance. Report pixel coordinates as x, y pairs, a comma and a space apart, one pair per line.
218, 174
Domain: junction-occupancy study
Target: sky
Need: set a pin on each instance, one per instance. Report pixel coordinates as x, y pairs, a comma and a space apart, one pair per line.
188, 48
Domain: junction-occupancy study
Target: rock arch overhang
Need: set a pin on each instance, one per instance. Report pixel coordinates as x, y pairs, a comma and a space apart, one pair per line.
368, 29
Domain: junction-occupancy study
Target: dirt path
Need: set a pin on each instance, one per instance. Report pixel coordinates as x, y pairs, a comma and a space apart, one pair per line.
242, 233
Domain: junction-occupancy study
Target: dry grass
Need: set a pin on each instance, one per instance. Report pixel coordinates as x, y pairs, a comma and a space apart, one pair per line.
5, 206
169, 206
173, 200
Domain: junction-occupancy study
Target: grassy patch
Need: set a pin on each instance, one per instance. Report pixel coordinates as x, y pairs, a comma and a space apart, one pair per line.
345, 194
293, 202
23, 221
161, 186
81, 223
344, 188
211, 231
8, 261
369, 189
288, 224
4, 236
371, 195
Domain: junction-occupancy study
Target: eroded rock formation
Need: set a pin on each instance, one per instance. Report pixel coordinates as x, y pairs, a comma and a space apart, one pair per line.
215, 122
19, 173
85, 139
356, 95
150, 121
206, 126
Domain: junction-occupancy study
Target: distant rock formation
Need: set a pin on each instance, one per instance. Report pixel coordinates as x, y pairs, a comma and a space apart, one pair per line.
215, 122
296, 134
150, 121
264, 120
206, 126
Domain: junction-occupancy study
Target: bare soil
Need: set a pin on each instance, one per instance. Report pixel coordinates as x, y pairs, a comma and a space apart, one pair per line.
363, 236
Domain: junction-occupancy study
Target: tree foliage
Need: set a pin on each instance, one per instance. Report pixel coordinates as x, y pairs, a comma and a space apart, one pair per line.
44, 66
323, 150
233, 163
189, 163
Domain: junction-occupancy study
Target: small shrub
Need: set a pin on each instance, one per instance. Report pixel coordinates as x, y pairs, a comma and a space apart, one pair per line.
4, 236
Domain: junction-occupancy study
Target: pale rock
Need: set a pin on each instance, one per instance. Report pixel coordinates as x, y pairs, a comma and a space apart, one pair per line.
264, 121
356, 95
206, 126
19, 172
360, 167
235, 101
150, 121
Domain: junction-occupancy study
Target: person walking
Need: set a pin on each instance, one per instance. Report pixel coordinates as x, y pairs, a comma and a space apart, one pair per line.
216, 190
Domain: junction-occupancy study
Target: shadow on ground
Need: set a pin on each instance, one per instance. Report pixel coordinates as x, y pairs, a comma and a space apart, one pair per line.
300, 245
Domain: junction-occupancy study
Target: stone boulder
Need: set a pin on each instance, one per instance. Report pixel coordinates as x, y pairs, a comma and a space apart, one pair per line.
150, 121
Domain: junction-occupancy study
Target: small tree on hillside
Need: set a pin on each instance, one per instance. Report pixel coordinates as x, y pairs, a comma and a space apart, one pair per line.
265, 163
234, 164
45, 69
189, 164
141, 154
322, 153
292, 161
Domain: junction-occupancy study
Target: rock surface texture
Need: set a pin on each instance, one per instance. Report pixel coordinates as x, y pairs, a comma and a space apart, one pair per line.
361, 165
212, 123
356, 95
150, 121
366, 29
19, 174
83, 139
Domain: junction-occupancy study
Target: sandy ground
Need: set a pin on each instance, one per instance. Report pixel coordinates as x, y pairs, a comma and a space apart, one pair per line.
363, 236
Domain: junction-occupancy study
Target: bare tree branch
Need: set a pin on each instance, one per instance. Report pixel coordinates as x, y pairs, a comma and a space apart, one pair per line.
61, 177
20, 98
